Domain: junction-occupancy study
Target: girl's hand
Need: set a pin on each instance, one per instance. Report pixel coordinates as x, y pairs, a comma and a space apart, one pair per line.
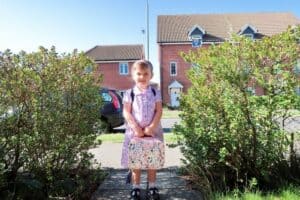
149, 131
138, 132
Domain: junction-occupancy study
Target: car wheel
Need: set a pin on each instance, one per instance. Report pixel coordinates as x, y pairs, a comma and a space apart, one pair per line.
104, 127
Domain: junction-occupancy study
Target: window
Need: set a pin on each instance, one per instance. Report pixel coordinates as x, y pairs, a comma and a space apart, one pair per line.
249, 35
196, 68
106, 97
195, 65
250, 90
196, 42
297, 68
88, 69
173, 68
123, 68
297, 90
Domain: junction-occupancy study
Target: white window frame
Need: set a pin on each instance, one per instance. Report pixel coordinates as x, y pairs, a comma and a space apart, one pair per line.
122, 70
171, 68
248, 35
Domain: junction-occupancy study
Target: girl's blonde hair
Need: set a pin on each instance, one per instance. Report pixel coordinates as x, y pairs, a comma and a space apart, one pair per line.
143, 64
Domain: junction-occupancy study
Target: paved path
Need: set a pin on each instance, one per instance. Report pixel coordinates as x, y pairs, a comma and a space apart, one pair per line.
170, 184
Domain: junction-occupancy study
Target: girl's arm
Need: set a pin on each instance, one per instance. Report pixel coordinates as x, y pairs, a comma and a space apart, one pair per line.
156, 119
131, 121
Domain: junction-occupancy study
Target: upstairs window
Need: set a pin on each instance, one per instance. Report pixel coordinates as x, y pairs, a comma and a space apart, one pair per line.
249, 35
173, 69
297, 68
248, 31
196, 36
123, 68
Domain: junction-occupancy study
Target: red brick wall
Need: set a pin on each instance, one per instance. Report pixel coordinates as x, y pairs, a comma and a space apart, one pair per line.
170, 53
167, 54
112, 78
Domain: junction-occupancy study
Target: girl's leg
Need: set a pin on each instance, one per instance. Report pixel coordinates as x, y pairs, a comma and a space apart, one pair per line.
135, 193
151, 177
152, 192
136, 177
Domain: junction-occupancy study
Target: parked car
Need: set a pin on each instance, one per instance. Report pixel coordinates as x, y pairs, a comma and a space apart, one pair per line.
112, 110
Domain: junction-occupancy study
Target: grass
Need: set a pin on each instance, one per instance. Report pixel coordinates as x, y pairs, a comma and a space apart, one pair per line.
119, 138
290, 193
167, 113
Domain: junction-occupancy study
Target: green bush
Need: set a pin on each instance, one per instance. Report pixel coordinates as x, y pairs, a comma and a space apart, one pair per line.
231, 136
49, 104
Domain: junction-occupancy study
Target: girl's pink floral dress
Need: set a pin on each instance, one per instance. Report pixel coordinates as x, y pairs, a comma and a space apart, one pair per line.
143, 110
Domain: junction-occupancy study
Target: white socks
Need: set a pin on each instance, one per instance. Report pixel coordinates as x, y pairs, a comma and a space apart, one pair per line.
136, 186
151, 184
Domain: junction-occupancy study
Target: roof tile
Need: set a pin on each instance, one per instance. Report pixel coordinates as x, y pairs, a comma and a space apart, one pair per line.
175, 28
116, 52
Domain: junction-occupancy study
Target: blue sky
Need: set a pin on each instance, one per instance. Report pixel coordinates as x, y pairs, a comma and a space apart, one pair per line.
82, 24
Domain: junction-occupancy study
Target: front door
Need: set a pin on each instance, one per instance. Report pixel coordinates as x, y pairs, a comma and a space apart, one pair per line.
175, 99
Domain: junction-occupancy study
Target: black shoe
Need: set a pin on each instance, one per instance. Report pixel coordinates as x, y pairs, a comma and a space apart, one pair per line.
135, 194
152, 194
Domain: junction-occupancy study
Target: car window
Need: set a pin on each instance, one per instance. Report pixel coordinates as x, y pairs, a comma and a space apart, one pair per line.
106, 97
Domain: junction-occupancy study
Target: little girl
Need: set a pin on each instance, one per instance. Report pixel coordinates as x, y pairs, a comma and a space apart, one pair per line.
142, 112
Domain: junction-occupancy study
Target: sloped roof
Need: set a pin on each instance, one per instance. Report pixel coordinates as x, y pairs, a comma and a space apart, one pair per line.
175, 84
219, 27
116, 52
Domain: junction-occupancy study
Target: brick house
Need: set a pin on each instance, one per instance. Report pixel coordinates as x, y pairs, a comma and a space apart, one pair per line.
182, 33
114, 63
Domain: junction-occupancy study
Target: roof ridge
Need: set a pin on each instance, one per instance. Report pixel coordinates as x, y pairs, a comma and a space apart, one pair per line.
91, 49
118, 45
233, 13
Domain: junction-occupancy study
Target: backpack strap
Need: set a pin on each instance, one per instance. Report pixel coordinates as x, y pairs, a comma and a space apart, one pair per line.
153, 91
132, 93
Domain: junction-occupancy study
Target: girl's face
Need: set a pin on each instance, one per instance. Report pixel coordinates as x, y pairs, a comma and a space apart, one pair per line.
141, 77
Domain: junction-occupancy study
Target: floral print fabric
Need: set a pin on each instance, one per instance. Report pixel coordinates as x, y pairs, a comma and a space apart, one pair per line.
146, 153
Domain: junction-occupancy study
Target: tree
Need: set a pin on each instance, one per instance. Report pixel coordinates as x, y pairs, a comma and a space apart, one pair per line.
230, 136
48, 107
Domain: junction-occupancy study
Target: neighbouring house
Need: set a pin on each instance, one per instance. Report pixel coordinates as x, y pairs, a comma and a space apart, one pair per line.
114, 63
182, 33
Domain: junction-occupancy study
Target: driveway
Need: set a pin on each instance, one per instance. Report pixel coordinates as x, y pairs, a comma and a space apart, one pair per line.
167, 125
